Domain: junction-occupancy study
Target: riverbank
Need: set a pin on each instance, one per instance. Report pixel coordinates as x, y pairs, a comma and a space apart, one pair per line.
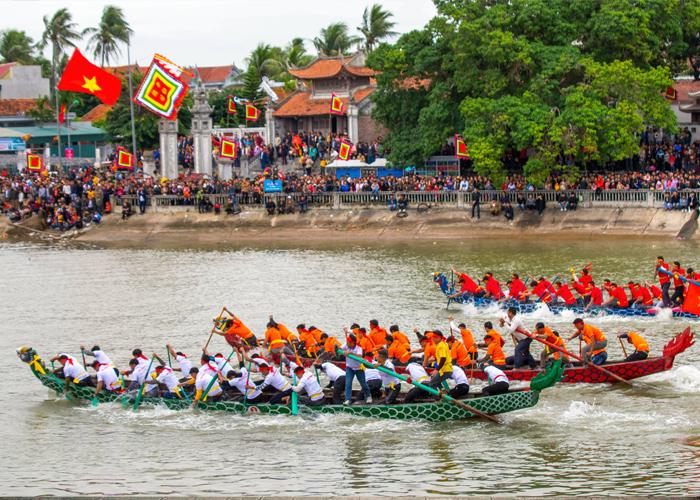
189, 229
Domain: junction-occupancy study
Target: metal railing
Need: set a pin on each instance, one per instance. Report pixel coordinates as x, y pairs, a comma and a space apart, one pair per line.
445, 199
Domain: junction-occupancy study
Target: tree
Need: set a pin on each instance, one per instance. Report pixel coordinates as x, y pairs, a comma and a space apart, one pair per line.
219, 104
294, 55
106, 37
42, 111
567, 82
60, 32
376, 26
264, 60
16, 46
118, 124
334, 40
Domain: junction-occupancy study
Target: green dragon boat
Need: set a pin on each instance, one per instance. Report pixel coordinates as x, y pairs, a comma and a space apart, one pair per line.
433, 411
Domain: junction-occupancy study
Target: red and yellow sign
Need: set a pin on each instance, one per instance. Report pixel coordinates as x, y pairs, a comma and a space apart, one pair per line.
251, 113
229, 149
35, 162
344, 150
461, 150
162, 90
125, 160
337, 106
231, 106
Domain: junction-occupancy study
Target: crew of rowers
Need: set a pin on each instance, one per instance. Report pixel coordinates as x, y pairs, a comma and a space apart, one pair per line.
582, 290
370, 357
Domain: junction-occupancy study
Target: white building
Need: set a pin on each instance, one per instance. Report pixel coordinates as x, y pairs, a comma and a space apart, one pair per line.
22, 82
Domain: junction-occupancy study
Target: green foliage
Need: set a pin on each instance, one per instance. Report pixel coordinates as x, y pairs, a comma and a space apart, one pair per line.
570, 81
60, 32
106, 37
16, 46
219, 104
334, 40
42, 111
118, 124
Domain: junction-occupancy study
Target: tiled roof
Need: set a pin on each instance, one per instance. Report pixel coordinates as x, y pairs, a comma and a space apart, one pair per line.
15, 107
211, 74
328, 68
97, 113
4, 68
281, 92
683, 88
122, 70
300, 103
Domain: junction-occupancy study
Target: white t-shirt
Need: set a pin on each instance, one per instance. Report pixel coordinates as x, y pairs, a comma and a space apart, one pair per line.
459, 376
101, 357
511, 325
202, 383
184, 363
240, 383
168, 377
276, 380
351, 363
109, 379
332, 371
372, 374
387, 379
417, 372
308, 383
72, 370
223, 365
495, 375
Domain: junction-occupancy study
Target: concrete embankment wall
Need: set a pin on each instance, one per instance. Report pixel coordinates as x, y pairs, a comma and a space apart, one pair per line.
191, 229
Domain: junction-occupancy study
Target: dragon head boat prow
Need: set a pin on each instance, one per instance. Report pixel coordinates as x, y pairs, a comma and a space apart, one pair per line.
29, 356
679, 343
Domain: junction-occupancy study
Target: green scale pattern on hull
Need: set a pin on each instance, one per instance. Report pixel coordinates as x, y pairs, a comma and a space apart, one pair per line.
433, 412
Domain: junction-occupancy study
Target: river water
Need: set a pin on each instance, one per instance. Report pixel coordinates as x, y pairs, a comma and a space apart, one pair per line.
580, 439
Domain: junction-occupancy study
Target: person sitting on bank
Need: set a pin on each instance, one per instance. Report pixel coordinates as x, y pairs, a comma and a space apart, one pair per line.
641, 347
126, 210
270, 206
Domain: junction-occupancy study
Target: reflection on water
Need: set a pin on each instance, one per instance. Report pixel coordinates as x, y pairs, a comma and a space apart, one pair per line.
582, 440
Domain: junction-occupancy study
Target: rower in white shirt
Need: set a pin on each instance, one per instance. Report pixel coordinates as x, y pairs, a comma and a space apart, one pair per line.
166, 376
498, 381
183, 362
306, 381
461, 387
245, 385
374, 381
418, 374
514, 325
336, 376
222, 364
390, 384
137, 376
106, 378
273, 378
98, 354
203, 383
73, 372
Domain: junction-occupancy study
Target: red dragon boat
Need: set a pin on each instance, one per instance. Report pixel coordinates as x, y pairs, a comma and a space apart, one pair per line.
586, 374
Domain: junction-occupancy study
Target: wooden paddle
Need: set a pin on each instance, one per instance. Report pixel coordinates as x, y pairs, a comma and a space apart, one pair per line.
578, 358
622, 344
211, 334
426, 388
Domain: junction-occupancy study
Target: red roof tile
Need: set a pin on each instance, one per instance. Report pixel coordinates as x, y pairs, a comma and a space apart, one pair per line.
683, 88
301, 103
97, 113
211, 74
16, 107
328, 68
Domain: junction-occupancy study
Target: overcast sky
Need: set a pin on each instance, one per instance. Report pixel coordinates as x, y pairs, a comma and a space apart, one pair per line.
212, 32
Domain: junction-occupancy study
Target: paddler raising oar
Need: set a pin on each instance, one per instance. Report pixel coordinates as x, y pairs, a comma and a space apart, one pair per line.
235, 332
514, 325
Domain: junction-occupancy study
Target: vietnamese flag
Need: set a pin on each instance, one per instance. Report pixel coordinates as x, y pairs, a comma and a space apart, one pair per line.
82, 76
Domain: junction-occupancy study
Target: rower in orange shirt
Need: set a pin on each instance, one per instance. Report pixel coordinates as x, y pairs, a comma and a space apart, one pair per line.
330, 346
364, 340
546, 333
459, 353
641, 347
494, 352
467, 338
399, 335
399, 351
315, 333
377, 333
307, 342
273, 338
235, 332
426, 347
596, 343
488, 327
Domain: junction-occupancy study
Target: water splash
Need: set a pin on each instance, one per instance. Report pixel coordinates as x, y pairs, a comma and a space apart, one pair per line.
684, 378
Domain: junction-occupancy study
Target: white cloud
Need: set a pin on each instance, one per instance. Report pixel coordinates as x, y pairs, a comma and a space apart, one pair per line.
213, 32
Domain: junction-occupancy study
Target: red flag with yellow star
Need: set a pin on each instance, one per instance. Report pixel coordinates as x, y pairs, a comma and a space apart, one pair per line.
82, 76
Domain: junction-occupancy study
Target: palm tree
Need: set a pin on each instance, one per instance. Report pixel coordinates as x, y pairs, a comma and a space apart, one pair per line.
295, 55
106, 37
376, 25
334, 40
60, 32
16, 46
264, 60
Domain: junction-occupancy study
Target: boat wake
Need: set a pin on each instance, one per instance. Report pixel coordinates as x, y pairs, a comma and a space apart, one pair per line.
585, 413
683, 378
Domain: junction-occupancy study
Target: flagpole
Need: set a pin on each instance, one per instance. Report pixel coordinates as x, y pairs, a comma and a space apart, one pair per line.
131, 101
58, 124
